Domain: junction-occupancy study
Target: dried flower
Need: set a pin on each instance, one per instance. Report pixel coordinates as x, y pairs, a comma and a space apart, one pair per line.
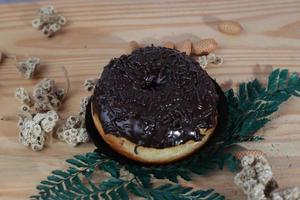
256, 178
209, 59
22, 95
83, 103
47, 96
37, 115
27, 68
90, 84
202, 60
35, 127
49, 21
292, 193
73, 131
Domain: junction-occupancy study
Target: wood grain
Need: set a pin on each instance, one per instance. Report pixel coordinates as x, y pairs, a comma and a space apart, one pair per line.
100, 30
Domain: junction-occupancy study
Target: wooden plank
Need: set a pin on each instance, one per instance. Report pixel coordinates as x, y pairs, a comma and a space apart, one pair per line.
99, 30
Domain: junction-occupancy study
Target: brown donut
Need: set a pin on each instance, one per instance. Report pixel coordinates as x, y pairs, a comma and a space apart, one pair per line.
155, 105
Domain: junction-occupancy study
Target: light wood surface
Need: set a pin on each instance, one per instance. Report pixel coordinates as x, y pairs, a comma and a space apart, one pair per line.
99, 30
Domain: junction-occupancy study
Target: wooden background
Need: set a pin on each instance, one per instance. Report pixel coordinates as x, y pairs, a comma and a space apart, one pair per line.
100, 29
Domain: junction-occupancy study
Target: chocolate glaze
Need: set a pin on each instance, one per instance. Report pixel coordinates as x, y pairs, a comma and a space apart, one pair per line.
155, 97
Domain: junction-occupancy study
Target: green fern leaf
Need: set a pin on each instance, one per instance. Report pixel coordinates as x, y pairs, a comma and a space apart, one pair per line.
142, 173
273, 81
111, 167
136, 190
175, 191
76, 163
109, 184
251, 108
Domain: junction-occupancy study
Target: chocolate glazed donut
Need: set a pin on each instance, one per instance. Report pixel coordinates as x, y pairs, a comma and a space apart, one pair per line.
156, 99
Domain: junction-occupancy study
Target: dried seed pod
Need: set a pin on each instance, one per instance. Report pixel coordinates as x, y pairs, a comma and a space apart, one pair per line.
256, 177
72, 121
47, 96
73, 131
204, 46
60, 93
37, 23
47, 10
73, 136
83, 136
40, 106
53, 115
133, 45
83, 103
185, 47
55, 27
24, 108
292, 193
20, 122
90, 84
169, 45
230, 27
62, 21
214, 59
38, 146
23, 140
202, 60
49, 21
47, 85
32, 134
47, 30
22, 95
27, 68
39, 117
255, 153
47, 125
210, 58
49, 122
55, 103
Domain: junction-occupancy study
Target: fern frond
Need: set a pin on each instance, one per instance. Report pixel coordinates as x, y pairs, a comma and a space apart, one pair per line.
251, 107
177, 192
70, 180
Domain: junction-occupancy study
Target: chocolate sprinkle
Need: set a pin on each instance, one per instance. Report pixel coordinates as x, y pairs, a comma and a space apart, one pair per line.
155, 97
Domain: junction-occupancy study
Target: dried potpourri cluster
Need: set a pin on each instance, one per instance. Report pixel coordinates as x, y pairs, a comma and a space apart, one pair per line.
49, 21
209, 59
90, 84
256, 180
292, 193
38, 116
73, 130
47, 96
35, 126
28, 67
